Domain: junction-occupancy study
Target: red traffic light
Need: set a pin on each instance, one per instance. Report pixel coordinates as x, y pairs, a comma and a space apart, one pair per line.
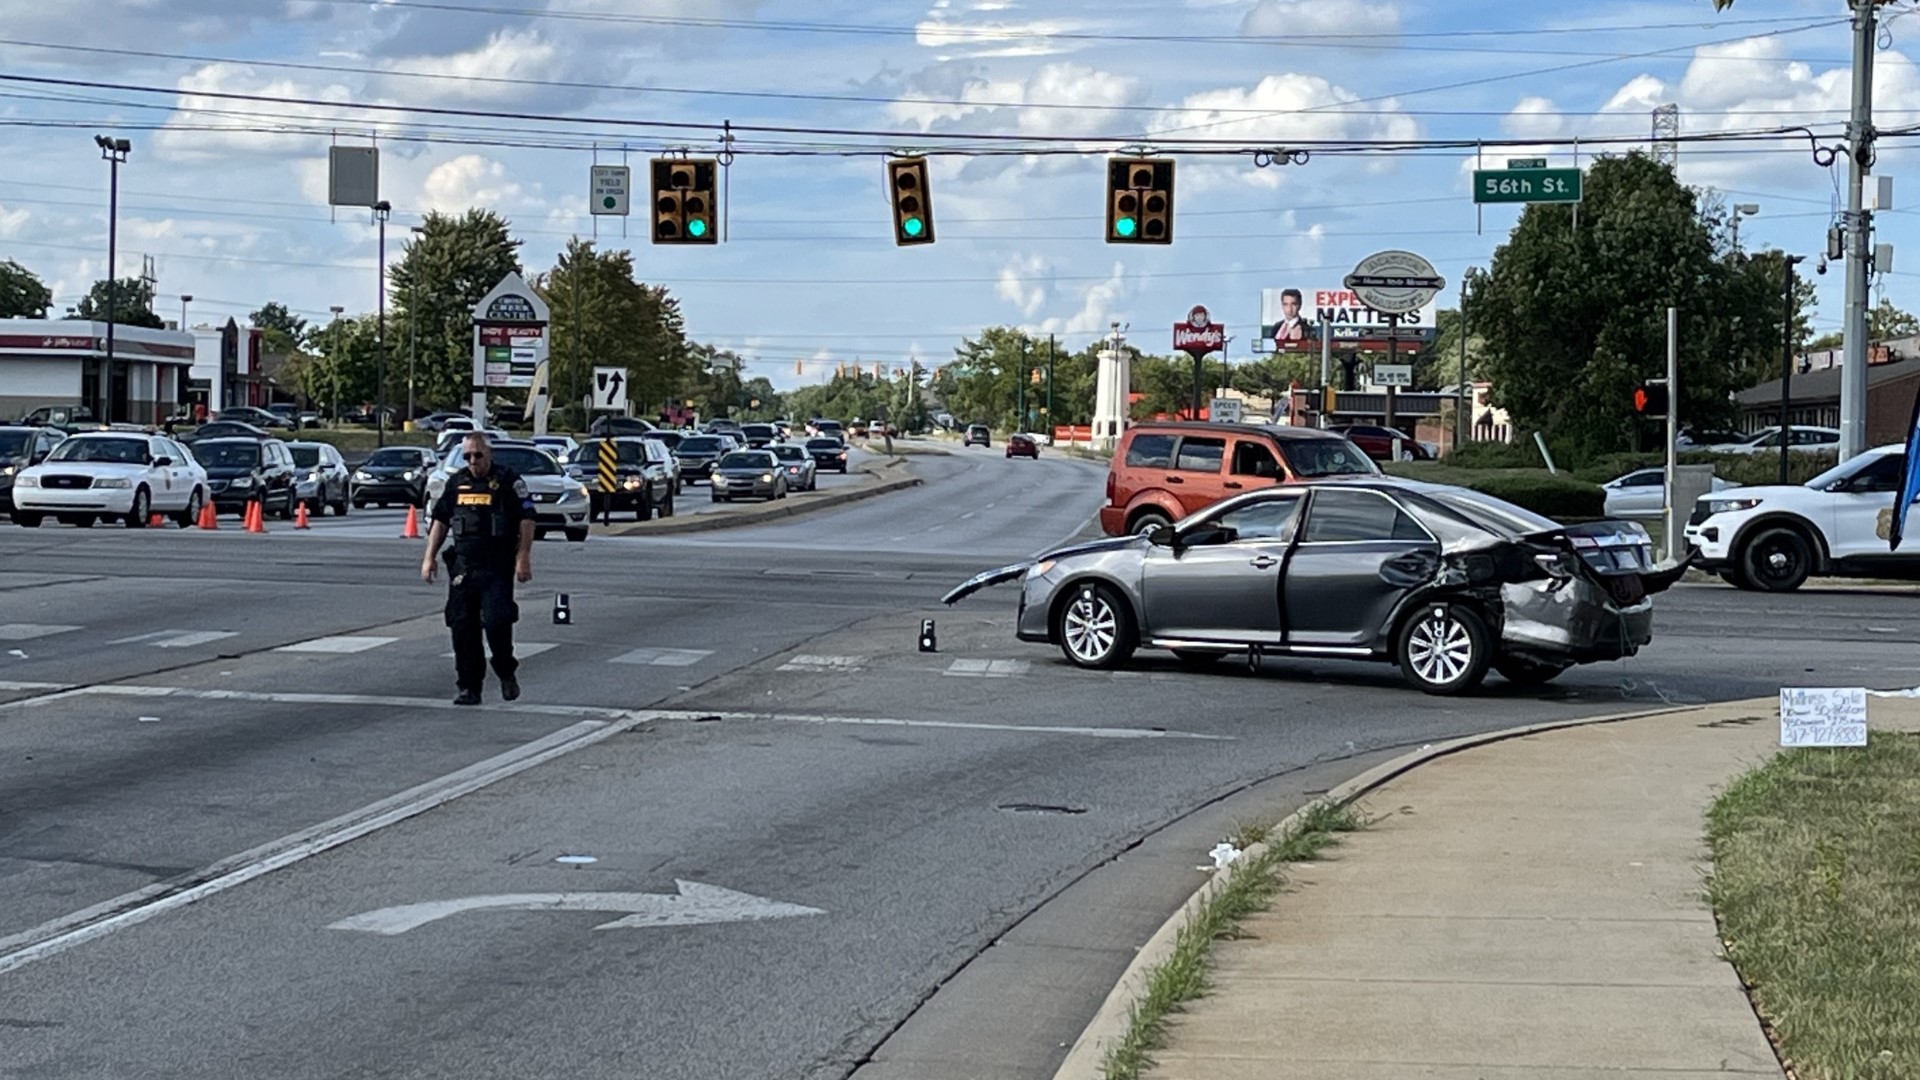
1640, 399
1650, 400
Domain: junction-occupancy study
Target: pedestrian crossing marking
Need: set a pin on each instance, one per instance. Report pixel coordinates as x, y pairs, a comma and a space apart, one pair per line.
177, 639
337, 645
663, 657
521, 649
26, 631
805, 662
989, 669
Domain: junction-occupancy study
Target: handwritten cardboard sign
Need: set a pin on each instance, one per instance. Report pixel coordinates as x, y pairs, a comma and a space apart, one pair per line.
1823, 716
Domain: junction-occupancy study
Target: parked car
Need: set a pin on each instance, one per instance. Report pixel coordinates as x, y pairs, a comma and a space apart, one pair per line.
978, 433
802, 473
439, 421
759, 436
828, 453
697, 453
260, 418
644, 476
1022, 446
110, 475
1378, 442
1772, 538
559, 501
1802, 439
560, 446
225, 429
1442, 581
20, 448
1162, 472
322, 482
451, 437
603, 426
243, 470
1643, 493
287, 411
394, 474
1704, 438
68, 418
748, 473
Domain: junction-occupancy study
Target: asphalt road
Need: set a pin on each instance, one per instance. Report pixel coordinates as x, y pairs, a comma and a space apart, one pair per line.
835, 854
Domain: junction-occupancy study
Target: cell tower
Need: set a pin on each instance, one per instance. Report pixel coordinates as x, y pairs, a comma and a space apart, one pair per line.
1666, 135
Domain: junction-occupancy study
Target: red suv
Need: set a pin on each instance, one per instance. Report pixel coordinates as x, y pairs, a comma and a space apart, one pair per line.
1161, 472
1378, 442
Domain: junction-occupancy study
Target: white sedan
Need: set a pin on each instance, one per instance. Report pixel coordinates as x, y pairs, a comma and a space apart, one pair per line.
1642, 493
1767, 440
112, 475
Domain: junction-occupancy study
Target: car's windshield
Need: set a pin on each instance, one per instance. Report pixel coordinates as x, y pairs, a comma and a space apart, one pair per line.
394, 458
240, 454
701, 444
1842, 471
744, 461
827, 425
758, 430
127, 451
305, 456
1496, 516
626, 453
1327, 457
14, 443
525, 460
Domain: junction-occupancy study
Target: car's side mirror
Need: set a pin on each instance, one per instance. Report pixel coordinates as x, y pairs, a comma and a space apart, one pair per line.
1163, 536
162, 461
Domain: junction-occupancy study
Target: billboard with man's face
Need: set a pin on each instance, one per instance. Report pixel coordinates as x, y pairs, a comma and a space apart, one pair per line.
1290, 320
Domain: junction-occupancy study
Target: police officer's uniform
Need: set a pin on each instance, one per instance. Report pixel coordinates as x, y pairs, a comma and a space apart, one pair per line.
482, 516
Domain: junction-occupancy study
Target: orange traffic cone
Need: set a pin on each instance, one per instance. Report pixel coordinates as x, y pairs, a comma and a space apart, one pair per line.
209, 517
256, 517
413, 524
300, 517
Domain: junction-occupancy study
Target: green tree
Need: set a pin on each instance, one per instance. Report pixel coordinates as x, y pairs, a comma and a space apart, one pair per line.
22, 294
338, 375
1572, 319
284, 331
445, 270
603, 317
132, 304
1887, 322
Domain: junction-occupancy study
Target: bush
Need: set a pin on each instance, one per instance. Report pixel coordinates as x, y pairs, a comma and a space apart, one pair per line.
1494, 455
1562, 497
1748, 469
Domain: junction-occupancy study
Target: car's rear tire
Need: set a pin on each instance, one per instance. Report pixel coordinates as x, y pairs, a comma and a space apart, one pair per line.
190, 516
644, 508
1147, 521
1095, 628
1527, 672
1777, 559
577, 536
1444, 649
359, 504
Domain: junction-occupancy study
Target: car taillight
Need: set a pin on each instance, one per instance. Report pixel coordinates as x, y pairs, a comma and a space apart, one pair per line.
1112, 485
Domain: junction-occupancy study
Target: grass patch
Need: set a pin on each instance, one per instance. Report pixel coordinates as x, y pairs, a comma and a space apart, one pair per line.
1250, 886
1816, 882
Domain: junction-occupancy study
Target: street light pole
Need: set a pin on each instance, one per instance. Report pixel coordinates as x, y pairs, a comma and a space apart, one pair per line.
333, 358
114, 152
185, 299
1741, 210
1786, 368
380, 211
413, 341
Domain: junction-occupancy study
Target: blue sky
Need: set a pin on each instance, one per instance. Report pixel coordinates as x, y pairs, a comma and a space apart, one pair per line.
810, 273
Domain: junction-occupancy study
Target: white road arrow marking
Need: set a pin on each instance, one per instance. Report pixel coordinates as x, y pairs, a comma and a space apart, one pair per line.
695, 905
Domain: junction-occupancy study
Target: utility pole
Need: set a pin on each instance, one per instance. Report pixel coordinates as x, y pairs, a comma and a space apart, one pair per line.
115, 152
380, 211
916, 365
1462, 406
1676, 544
1786, 368
1859, 227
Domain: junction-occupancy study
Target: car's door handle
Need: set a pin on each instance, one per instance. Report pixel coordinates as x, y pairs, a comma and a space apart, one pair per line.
1232, 485
1265, 562
1175, 480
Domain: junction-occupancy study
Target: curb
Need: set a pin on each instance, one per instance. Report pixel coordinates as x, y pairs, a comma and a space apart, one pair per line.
763, 514
1109, 1024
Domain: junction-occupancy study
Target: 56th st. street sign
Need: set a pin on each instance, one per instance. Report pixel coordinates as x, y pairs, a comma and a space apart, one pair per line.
1395, 282
1526, 185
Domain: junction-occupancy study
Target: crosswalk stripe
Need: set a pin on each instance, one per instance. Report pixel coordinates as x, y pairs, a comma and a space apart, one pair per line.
176, 639
342, 644
26, 631
521, 649
989, 669
663, 657
806, 662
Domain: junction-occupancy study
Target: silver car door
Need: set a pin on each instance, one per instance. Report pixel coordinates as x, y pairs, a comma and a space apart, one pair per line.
1359, 554
1224, 585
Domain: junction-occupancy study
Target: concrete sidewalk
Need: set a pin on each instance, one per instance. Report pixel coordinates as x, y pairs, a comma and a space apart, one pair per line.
1528, 910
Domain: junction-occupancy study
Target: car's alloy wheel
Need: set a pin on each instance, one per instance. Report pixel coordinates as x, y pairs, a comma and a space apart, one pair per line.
1443, 650
1096, 629
137, 517
1777, 560
189, 517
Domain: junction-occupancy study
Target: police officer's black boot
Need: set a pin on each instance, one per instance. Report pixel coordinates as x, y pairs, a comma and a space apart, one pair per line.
468, 697
509, 688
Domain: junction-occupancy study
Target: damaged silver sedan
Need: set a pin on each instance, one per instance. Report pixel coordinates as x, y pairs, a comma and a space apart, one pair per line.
1442, 581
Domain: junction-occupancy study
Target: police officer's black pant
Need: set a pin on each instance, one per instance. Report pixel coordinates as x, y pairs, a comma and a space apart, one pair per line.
482, 605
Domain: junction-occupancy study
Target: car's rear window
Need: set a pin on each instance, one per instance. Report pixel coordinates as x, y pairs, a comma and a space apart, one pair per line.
702, 444
789, 453
1327, 457
1496, 516
385, 458
823, 444
744, 461
228, 453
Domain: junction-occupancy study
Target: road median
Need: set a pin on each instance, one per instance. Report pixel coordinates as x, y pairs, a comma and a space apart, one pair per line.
882, 479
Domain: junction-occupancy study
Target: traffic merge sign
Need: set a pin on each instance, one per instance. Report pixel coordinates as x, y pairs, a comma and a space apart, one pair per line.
610, 389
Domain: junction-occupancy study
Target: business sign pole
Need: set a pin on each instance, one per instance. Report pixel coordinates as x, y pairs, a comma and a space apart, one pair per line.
1395, 283
510, 342
1197, 337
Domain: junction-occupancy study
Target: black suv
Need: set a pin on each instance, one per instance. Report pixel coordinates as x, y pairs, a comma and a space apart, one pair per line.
697, 453
604, 426
828, 453
643, 479
243, 470
20, 447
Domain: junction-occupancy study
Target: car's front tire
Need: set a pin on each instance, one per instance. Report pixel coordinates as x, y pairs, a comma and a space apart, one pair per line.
1146, 521
137, 514
190, 516
577, 536
1444, 649
1095, 628
26, 519
1777, 559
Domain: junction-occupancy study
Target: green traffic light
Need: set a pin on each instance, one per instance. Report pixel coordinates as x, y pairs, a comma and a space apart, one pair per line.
913, 226
696, 228
1125, 226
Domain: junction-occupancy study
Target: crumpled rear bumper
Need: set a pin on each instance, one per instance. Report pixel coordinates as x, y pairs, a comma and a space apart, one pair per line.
1571, 621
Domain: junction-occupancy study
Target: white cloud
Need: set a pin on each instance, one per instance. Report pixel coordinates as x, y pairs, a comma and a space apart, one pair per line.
1297, 107
992, 37
177, 143
1098, 303
467, 181
1280, 18
506, 54
1018, 284
12, 222
1052, 84
1534, 118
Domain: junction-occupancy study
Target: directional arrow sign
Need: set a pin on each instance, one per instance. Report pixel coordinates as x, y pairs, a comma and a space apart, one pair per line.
695, 905
609, 388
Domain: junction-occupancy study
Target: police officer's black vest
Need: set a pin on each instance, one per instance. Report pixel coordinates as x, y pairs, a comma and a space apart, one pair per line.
484, 537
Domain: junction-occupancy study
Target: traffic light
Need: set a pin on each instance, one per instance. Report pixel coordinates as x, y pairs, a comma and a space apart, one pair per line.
912, 200
1139, 200
1329, 398
1650, 399
683, 201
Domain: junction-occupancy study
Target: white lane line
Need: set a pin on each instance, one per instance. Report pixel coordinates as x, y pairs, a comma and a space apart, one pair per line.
663, 657
989, 669
521, 649
41, 687
804, 662
955, 725
261, 697
26, 631
967, 515
59, 935
337, 645
177, 639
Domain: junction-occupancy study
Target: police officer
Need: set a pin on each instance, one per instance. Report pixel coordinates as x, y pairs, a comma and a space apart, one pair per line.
488, 513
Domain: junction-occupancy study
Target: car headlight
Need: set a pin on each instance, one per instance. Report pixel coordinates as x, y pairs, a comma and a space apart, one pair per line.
408, 475
1729, 506
241, 483
111, 482
9, 470
28, 482
363, 477
766, 478
1041, 568
843, 455
314, 476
